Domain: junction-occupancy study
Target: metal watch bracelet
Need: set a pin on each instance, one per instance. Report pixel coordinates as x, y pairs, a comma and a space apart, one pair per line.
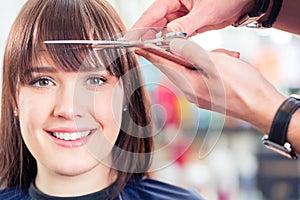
257, 12
277, 138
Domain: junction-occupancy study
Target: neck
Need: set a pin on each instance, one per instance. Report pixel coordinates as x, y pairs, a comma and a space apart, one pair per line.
55, 184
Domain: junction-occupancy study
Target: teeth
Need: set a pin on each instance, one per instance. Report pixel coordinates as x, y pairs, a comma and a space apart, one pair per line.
71, 136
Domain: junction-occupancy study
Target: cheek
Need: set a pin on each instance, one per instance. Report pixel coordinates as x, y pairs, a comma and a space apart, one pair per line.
108, 109
33, 113
33, 110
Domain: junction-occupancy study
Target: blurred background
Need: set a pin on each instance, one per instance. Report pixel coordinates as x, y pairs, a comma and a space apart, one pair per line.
221, 157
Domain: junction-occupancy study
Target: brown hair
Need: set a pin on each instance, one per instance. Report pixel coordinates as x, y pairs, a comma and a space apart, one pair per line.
41, 20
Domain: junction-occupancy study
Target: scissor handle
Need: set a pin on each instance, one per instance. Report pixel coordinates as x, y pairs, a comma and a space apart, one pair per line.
163, 41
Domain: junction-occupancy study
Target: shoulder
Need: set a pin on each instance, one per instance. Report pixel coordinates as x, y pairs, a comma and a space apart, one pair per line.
14, 194
157, 190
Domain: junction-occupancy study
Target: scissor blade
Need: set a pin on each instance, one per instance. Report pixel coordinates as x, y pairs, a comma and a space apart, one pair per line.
98, 44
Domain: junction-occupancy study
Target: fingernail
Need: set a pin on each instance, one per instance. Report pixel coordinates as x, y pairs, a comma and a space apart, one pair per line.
173, 26
177, 45
237, 54
137, 51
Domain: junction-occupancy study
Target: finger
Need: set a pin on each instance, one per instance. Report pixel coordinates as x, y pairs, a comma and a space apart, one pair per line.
171, 69
203, 16
192, 52
181, 76
230, 53
190, 82
194, 20
159, 61
184, 24
174, 15
142, 34
217, 26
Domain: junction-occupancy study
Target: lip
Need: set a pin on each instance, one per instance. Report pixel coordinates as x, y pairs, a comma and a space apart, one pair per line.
70, 143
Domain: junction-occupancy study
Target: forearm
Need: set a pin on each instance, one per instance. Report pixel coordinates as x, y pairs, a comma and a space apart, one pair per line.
263, 114
262, 109
293, 135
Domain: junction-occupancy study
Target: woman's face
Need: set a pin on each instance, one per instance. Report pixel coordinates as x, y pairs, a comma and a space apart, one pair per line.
70, 120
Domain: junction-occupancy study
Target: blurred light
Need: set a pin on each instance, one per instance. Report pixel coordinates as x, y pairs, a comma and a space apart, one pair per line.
208, 40
277, 36
263, 32
280, 37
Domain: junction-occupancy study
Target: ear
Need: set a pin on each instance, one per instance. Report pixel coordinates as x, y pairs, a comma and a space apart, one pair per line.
14, 107
16, 113
15, 103
125, 108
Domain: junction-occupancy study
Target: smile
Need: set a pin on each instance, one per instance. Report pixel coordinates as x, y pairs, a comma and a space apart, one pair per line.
71, 136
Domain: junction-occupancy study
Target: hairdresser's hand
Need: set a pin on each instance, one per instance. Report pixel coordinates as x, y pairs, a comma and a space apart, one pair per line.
229, 85
193, 16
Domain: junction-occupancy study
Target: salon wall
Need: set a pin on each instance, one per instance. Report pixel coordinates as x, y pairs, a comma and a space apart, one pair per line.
130, 12
8, 12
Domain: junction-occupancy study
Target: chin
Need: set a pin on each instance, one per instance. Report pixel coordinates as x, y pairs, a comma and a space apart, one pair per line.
77, 168
70, 172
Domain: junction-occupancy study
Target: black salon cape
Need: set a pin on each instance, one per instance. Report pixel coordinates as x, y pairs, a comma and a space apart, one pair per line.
146, 189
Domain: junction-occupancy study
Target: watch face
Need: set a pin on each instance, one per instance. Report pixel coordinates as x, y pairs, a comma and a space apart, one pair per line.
288, 152
248, 20
254, 25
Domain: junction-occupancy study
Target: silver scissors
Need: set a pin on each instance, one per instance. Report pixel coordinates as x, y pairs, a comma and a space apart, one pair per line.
160, 40
159, 45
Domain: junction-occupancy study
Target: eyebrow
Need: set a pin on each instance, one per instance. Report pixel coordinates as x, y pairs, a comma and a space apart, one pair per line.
50, 69
42, 69
92, 69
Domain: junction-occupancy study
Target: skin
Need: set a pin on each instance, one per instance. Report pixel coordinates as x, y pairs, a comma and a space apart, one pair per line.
255, 102
288, 18
180, 15
203, 15
53, 101
224, 87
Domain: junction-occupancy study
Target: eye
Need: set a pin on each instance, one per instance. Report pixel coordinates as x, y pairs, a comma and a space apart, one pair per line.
42, 82
95, 81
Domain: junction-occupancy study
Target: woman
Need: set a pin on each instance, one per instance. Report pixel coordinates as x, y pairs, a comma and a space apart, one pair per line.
75, 121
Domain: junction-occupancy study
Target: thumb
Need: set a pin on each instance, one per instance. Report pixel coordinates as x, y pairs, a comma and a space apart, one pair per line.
192, 52
187, 23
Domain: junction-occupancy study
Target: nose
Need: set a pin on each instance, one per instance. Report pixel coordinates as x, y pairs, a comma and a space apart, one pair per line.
69, 103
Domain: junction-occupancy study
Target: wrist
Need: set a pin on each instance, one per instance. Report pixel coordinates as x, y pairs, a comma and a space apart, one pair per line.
277, 138
274, 10
249, 6
264, 108
266, 16
251, 18
263, 14
293, 135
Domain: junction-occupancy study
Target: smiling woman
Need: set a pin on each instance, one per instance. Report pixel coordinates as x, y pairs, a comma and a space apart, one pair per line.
64, 98
75, 121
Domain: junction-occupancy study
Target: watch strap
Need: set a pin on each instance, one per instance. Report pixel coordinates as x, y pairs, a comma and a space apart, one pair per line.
280, 124
258, 11
273, 14
260, 7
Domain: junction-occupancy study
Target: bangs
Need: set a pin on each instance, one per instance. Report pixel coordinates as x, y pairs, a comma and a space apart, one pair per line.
80, 21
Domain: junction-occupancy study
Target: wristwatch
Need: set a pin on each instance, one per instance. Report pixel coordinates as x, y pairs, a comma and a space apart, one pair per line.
251, 19
276, 140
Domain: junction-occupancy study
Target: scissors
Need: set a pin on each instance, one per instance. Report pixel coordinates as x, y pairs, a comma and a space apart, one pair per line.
159, 45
